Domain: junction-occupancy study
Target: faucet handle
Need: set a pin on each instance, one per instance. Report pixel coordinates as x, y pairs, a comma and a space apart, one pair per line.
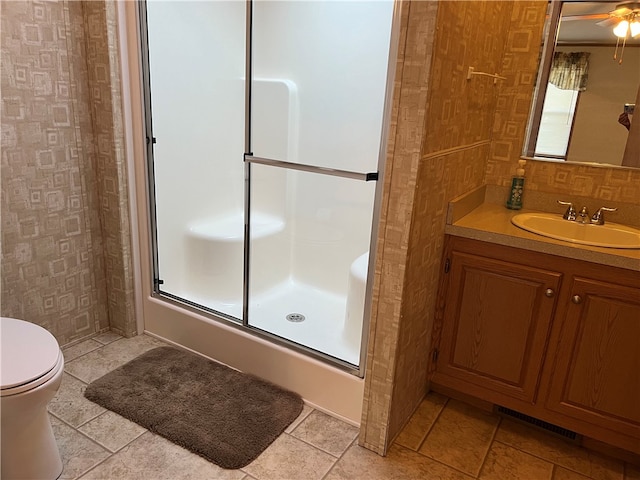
570, 214
598, 217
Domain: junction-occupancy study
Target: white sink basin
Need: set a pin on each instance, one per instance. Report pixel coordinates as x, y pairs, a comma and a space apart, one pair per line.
610, 235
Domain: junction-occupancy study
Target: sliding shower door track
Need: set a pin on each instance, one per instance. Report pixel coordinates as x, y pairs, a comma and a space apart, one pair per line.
236, 323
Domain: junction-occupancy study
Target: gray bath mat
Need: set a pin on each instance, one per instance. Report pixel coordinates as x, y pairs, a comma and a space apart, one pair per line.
223, 415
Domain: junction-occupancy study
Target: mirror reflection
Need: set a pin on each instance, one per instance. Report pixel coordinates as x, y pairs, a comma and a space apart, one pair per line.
588, 85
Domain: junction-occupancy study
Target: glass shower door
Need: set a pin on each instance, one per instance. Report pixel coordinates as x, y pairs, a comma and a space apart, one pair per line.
318, 92
308, 126
196, 99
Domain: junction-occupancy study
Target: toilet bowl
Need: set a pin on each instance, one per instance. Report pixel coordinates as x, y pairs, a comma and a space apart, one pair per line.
31, 371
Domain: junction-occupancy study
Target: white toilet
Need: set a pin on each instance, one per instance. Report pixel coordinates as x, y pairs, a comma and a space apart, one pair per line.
30, 375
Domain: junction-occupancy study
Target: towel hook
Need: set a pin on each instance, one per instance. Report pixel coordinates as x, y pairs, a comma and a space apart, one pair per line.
495, 76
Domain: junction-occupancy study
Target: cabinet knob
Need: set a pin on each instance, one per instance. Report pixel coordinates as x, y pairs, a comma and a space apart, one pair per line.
576, 299
549, 292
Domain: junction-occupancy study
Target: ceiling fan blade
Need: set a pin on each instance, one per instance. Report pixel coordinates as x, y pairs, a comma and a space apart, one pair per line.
621, 11
593, 16
608, 22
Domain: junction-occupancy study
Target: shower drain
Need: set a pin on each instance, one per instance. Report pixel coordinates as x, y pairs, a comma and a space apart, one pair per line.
295, 317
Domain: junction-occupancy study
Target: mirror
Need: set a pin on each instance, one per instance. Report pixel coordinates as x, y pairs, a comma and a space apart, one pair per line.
582, 90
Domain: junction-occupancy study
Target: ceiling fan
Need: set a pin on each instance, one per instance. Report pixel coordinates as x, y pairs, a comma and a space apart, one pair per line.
624, 12
625, 20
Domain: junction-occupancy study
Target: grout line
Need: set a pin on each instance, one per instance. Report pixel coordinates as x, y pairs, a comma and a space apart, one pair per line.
466, 474
77, 378
81, 433
493, 440
93, 467
351, 444
314, 446
100, 345
113, 452
566, 467
298, 421
426, 434
92, 418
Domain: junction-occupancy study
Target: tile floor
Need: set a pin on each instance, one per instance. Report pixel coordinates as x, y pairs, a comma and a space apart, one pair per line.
445, 439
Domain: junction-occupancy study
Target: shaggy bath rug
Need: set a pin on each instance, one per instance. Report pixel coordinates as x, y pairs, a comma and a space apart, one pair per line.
223, 415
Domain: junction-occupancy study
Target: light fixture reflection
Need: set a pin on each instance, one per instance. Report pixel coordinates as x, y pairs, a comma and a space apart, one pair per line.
622, 29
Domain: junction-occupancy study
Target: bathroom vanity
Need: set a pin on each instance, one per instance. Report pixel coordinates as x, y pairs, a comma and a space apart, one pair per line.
539, 326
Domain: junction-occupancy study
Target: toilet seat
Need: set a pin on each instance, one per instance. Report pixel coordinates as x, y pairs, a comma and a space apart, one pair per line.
30, 356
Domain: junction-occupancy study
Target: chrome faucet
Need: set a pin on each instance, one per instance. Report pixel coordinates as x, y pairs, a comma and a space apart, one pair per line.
583, 216
598, 217
570, 214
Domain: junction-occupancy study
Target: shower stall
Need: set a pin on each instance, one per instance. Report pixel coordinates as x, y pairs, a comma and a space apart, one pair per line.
265, 132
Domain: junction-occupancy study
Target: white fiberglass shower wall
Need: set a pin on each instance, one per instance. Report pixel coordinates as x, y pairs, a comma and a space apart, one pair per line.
290, 161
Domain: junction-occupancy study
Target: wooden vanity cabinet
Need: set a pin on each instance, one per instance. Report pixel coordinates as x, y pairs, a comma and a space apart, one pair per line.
554, 338
596, 375
495, 327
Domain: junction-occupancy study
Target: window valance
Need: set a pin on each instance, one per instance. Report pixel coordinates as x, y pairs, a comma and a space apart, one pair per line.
569, 71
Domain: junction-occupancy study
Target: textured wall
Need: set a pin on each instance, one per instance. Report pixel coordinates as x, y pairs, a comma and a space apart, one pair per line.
453, 160
403, 156
470, 130
520, 65
53, 251
109, 158
452, 138
51, 246
460, 111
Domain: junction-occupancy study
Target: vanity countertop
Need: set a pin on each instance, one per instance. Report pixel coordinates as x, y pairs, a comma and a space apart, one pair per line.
490, 222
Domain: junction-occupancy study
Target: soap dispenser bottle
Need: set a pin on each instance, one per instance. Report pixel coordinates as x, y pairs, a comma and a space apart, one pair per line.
514, 202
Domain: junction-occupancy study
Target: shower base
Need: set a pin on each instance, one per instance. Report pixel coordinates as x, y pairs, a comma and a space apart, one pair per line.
324, 314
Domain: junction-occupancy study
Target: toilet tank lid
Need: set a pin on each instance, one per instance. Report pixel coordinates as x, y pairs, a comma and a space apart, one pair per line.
27, 352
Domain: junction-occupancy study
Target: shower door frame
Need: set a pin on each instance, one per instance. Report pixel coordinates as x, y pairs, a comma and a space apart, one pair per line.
249, 159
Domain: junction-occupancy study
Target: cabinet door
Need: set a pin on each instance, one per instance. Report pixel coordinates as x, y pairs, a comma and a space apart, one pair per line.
496, 322
597, 372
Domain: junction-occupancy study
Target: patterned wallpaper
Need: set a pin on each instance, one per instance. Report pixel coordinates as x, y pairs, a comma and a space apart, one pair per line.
520, 65
109, 158
455, 132
472, 135
403, 155
54, 254
468, 34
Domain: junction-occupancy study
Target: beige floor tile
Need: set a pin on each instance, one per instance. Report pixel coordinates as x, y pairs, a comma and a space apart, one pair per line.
560, 473
70, 405
557, 450
326, 432
95, 364
78, 453
416, 430
507, 463
400, 464
112, 431
306, 410
107, 337
151, 457
290, 458
79, 349
461, 437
